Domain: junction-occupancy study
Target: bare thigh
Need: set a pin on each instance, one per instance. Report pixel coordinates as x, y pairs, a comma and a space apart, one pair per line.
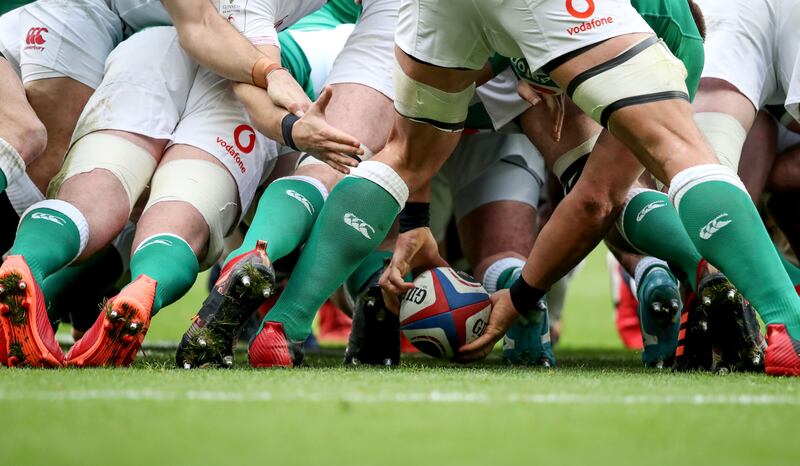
58, 102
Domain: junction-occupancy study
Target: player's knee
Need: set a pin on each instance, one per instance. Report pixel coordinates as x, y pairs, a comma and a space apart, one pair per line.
597, 206
206, 187
28, 136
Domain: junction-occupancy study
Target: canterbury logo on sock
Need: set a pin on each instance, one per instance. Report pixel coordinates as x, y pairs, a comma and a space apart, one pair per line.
714, 226
360, 226
50, 218
649, 208
306, 203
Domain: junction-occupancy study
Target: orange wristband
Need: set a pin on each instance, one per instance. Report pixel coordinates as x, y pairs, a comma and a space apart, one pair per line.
261, 69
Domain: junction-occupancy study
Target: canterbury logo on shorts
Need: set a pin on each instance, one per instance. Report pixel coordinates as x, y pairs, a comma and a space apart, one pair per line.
36, 36
714, 226
649, 208
359, 225
50, 218
295, 195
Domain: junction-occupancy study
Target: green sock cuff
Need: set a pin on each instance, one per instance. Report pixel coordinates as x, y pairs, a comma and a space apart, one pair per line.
170, 261
369, 267
3, 181
48, 239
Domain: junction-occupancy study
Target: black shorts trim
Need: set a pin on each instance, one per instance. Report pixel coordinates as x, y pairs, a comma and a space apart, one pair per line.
558, 61
638, 100
437, 66
452, 127
614, 62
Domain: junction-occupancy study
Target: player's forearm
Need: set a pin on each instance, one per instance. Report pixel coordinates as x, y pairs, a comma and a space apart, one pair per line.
211, 40
264, 114
556, 253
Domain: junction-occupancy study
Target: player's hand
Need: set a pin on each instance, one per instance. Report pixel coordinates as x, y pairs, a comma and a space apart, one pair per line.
313, 134
527, 92
285, 92
415, 249
501, 319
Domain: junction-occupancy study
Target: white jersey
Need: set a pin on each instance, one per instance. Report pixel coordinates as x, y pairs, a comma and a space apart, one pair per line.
258, 20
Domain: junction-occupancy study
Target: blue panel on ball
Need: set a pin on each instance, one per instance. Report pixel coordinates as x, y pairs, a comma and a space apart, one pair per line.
456, 299
443, 321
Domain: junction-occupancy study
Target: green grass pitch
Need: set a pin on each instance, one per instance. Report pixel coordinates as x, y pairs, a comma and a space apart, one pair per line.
598, 407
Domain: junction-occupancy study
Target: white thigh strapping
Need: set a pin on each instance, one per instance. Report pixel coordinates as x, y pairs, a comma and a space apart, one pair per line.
145, 88
205, 186
67, 38
216, 122
130, 164
368, 55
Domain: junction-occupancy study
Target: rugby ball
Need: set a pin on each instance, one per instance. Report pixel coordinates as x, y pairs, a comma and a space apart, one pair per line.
444, 311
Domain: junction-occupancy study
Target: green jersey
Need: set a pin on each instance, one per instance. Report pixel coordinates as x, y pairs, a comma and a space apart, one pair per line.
672, 22
333, 14
8, 5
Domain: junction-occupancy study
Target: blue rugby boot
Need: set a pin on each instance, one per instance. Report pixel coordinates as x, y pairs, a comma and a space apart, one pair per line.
527, 342
659, 310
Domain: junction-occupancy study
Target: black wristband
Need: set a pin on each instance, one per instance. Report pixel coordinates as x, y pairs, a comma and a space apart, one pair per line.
525, 297
415, 215
286, 129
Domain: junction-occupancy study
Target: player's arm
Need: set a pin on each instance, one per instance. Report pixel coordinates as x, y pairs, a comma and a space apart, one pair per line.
214, 43
415, 249
309, 133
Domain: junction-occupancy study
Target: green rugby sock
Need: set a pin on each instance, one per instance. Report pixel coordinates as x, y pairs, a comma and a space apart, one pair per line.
355, 219
3, 181
285, 215
791, 269
652, 225
170, 261
725, 227
372, 264
50, 236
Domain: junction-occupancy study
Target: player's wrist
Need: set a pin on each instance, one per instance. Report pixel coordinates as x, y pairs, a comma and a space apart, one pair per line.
287, 125
525, 297
415, 215
262, 69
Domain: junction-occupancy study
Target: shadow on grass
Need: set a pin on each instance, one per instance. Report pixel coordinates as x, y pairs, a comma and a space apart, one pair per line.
584, 359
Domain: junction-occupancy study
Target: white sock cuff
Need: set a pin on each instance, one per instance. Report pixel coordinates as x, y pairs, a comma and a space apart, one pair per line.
646, 264
384, 176
319, 185
71, 212
11, 162
22, 193
693, 176
494, 271
146, 242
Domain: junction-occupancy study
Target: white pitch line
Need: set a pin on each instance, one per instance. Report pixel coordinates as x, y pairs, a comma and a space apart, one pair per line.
440, 397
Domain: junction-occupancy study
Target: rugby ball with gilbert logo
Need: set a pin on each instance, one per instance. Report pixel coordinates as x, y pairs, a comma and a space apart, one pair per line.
444, 311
